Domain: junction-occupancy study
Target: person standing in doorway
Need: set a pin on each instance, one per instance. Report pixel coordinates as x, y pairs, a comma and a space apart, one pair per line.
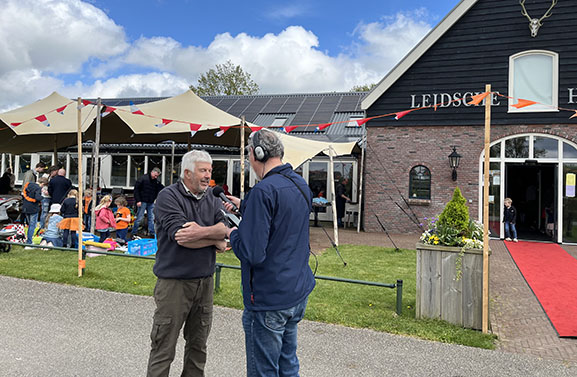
272, 244
190, 230
146, 191
341, 200
510, 219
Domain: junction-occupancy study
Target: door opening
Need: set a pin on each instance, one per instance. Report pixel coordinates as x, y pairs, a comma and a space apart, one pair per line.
533, 189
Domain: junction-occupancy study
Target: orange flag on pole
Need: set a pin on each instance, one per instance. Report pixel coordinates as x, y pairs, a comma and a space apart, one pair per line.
478, 98
523, 103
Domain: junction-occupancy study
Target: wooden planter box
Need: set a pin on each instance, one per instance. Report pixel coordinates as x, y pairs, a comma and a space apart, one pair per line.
440, 295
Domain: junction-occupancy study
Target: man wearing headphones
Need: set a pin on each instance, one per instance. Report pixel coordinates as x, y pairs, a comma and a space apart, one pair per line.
272, 244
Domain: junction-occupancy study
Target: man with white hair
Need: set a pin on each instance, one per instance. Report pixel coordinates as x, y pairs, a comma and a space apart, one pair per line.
190, 230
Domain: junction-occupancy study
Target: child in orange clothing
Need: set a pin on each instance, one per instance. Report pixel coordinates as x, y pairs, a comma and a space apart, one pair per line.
105, 222
122, 217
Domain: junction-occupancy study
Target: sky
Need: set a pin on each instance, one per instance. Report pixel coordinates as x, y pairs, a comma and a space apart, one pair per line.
150, 48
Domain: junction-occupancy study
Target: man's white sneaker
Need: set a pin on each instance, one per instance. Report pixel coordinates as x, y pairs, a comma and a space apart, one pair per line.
508, 239
515, 240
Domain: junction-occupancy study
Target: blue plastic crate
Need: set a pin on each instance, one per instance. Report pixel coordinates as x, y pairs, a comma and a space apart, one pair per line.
142, 247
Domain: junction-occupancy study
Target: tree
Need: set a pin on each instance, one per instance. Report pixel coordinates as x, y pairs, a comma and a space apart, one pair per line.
225, 79
363, 88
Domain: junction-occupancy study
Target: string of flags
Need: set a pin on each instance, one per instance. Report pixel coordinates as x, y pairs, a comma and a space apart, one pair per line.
194, 128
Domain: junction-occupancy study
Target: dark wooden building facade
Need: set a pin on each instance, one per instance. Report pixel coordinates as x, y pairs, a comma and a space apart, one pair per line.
533, 149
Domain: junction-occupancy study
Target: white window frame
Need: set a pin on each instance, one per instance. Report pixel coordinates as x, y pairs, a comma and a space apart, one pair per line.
277, 122
353, 121
537, 108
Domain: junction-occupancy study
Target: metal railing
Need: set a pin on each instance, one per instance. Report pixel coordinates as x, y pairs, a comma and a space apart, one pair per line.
219, 266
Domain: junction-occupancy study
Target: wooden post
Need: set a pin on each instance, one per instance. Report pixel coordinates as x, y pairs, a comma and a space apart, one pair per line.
81, 260
95, 167
360, 202
334, 196
488, 101
242, 157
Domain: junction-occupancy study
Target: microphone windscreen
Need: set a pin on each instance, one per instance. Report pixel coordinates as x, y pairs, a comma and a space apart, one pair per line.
217, 190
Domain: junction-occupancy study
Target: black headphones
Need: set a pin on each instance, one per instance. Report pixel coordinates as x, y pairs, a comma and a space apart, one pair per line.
260, 153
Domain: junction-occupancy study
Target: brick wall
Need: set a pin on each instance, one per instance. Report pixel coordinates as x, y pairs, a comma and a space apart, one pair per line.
393, 151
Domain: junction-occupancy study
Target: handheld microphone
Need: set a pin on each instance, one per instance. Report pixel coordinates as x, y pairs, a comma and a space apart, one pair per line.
219, 193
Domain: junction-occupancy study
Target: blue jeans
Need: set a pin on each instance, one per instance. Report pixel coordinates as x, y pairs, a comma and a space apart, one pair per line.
45, 209
149, 208
121, 233
32, 220
513, 230
271, 341
57, 242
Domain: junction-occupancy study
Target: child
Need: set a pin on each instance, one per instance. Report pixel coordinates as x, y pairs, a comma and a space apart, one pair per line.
43, 182
52, 235
105, 222
510, 218
87, 207
70, 223
122, 217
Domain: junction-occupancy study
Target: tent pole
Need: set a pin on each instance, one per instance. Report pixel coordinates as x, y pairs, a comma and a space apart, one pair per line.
172, 164
242, 157
189, 143
334, 196
96, 165
55, 153
81, 260
485, 316
360, 203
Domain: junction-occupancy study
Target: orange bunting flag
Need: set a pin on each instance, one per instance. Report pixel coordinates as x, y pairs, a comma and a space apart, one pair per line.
523, 103
574, 115
82, 263
401, 114
289, 128
478, 98
360, 122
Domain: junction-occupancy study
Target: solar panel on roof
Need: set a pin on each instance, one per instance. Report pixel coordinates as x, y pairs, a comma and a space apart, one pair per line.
238, 108
348, 103
292, 105
274, 105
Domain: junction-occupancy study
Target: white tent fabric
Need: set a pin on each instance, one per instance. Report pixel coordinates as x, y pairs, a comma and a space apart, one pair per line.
298, 150
67, 122
182, 110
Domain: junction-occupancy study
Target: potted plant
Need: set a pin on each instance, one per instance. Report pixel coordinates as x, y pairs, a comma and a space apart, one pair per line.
450, 267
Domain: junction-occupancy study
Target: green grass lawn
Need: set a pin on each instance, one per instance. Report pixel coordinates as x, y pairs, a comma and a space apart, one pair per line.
332, 302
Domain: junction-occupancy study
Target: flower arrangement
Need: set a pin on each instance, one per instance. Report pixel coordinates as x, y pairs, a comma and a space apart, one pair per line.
454, 228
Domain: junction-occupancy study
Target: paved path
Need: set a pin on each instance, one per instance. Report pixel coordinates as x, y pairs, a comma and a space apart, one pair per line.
516, 315
55, 330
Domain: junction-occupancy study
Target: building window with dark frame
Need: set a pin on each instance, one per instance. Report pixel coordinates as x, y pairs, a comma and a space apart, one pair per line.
420, 183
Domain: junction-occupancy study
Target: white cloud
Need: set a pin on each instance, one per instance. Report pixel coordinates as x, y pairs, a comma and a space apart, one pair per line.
42, 41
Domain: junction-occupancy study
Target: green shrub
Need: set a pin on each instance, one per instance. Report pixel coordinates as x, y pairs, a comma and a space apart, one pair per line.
456, 213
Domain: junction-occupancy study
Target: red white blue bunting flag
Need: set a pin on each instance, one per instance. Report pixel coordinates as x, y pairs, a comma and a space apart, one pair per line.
401, 114
360, 122
523, 103
15, 124
164, 123
223, 129
256, 128
107, 111
194, 128
83, 103
321, 127
289, 128
134, 109
42, 119
61, 109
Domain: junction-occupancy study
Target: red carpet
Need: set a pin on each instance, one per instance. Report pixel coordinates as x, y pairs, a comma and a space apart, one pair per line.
552, 275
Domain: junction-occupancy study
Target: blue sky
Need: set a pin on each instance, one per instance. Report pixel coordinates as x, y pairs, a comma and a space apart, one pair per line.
119, 48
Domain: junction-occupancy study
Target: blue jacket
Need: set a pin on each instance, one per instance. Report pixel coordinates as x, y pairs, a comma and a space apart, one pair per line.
272, 242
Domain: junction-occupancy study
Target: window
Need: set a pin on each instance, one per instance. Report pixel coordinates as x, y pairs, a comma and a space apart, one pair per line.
119, 171
420, 183
353, 121
534, 76
278, 122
